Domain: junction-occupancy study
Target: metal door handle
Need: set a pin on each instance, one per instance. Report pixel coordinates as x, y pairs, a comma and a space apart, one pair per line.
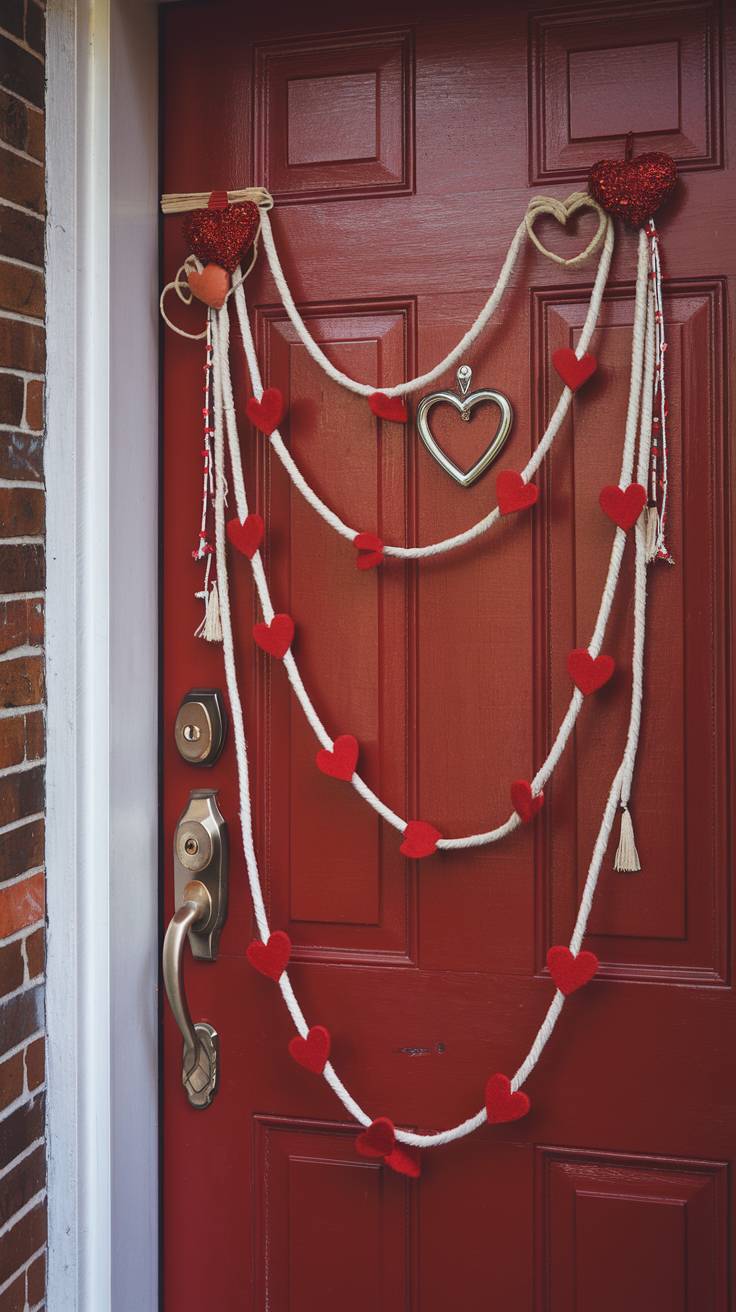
201, 1047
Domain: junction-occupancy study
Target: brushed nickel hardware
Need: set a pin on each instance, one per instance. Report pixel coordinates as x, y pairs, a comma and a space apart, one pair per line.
200, 899
465, 403
201, 726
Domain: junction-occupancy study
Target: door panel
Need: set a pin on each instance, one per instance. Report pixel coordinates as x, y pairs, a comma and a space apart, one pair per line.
402, 145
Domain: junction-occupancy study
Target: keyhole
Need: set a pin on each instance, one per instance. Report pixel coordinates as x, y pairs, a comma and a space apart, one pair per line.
191, 846
192, 733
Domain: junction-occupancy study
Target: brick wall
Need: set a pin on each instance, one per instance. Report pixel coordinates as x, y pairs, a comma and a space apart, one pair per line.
22, 749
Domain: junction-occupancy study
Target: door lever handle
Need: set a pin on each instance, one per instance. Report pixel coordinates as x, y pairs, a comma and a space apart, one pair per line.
201, 1045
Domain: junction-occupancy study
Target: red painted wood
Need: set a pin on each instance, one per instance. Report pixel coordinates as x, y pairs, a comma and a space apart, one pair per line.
403, 144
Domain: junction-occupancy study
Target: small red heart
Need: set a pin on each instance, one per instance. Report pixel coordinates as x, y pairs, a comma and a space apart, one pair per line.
221, 236
525, 803
589, 673
420, 839
503, 1105
370, 550
276, 637
378, 1140
270, 958
512, 493
571, 972
311, 1053
246, 536
623, 505
388, 407
210, 286
633, 189
340, 763
405, 1161
572, 371
267, 413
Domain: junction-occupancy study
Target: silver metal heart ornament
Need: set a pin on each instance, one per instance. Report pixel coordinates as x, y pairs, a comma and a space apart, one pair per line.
465, 403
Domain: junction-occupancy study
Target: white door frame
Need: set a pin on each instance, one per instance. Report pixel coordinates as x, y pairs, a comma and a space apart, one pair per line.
102, 655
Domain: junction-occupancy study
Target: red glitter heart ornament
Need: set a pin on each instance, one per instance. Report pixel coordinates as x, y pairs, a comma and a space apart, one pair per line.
623, 505
633, 189
568, 971
501, 1104
340, 763
222, 236
378, 1140
313, 1051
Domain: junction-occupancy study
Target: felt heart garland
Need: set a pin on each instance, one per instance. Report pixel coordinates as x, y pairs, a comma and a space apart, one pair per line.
267, 413
572, 371
222, 236
370, 550
388, 407
633, 189
276, 637
570, 971
420, 839
312, 1052
270, 958
623, 505
379, 1141
513, 493
246, 537
587, 672
340, 763
502, 1104
525, 803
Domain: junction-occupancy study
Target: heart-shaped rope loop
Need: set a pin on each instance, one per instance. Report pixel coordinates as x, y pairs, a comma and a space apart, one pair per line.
562, 210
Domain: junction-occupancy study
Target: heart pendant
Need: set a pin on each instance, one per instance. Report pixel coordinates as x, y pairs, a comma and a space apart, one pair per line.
465, 403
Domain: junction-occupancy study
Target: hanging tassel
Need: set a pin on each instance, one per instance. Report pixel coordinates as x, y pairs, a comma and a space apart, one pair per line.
651, 533
211, 627
627, 857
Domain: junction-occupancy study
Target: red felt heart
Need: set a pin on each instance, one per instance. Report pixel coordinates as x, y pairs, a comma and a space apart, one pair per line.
623, 505
405, 1161
525, 803
570, 972
246, 536
633, 189
276, 637
221, 236
589, 673
503, 1105
512, 493
340, 763
370, 550
270, 958
388, 407
378, 1140
572, 371
267, 413
312, 1052
210, 286
420, 839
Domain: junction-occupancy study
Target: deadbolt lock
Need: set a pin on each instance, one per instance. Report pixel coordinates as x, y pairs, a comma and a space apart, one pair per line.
200, 853
201, 726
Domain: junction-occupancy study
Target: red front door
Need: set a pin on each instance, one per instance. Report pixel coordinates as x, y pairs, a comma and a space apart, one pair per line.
402, 146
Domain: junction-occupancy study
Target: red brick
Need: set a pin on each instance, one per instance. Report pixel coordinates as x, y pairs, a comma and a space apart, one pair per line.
36, 1273
21, 72
22, 290
21, 681
21, 236
21, 181
34, 404
12, 391
14, 1298
35, 735
12, 969
22, 1241
22, 1128
36, 952
21, 1184
21, 849
22, 567
22, 1015
11, 1080
12, 740
21, 454
21, 621
21, 904
22, 345
13, 121
36, 1063
21, 794
21, 510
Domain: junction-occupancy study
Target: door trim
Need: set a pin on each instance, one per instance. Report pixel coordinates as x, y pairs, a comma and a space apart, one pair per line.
101, 469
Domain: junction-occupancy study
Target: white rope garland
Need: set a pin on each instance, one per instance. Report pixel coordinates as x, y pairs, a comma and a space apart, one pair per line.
576, 702
548, 1024
553, 427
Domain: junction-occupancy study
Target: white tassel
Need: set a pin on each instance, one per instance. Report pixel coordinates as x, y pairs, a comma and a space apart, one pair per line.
652, 533
211, 627
627, 857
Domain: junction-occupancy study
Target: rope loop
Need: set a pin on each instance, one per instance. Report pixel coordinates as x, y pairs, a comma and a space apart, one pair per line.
562, 210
